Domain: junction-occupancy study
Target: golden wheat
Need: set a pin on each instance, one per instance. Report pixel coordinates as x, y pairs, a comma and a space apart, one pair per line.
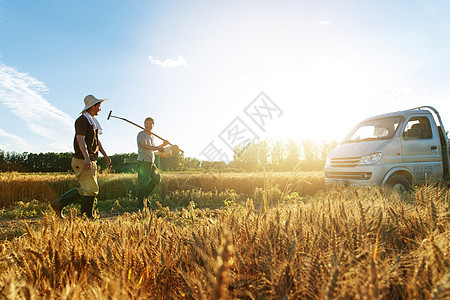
16, 187
343, 243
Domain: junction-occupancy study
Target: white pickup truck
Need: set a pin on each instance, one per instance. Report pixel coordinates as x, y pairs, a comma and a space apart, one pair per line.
396, 150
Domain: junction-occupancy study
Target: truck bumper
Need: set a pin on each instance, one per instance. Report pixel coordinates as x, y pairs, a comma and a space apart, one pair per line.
358, 176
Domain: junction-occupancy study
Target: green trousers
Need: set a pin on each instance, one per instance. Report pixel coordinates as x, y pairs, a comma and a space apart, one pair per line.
148, 178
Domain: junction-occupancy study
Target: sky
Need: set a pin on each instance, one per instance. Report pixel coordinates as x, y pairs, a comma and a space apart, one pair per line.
216, 74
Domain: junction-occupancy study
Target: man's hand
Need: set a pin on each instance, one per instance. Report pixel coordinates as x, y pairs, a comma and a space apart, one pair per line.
165, 143
87, 164
108, 160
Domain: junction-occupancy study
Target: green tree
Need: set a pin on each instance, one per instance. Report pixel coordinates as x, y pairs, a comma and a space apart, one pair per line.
293, 156
262, 154
214, 165
278, 156
191, 163
310, 155
324, 149
2, 160
120, 163
173, 163
245, 157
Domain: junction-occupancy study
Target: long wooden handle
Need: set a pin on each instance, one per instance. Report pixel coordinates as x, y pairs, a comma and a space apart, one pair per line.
129, 122
141, 128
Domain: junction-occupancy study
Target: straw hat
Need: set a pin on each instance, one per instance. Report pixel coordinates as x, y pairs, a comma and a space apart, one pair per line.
90, 100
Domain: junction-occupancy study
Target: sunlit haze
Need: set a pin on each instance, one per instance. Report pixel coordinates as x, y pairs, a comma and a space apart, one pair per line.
195, 67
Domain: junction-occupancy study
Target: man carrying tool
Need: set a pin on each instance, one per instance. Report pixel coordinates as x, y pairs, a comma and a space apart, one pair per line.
84, 161
148, 174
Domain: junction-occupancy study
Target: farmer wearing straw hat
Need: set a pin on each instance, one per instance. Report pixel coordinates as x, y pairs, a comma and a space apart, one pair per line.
148, 174
84, 161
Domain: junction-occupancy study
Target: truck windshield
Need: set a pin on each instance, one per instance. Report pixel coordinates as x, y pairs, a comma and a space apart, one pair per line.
376, 129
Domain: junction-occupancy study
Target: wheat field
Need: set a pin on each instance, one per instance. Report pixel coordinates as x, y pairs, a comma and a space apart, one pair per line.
340, 244
45, 188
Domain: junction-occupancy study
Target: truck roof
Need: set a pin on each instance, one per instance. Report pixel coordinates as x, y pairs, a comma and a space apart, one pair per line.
401, 113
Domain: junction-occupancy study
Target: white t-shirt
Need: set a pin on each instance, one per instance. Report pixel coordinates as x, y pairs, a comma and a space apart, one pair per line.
145, 154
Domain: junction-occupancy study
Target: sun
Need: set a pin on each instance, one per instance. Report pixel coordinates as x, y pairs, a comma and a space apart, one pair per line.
326, 90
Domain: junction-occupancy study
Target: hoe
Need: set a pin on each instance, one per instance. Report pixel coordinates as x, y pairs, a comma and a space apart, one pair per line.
168, 151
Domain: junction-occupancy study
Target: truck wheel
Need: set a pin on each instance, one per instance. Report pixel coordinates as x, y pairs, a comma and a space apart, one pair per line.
398, 184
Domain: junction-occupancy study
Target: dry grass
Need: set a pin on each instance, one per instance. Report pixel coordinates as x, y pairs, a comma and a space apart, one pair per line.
16, 187
348, 244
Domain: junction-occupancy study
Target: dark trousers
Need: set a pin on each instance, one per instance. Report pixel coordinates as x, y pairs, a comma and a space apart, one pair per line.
148, 179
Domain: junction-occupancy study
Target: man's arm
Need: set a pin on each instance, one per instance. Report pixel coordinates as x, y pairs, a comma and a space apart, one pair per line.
148, 147
83, 147
165, 143
108, 160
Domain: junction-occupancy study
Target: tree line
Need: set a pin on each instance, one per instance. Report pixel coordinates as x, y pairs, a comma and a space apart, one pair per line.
256, 156
282, 156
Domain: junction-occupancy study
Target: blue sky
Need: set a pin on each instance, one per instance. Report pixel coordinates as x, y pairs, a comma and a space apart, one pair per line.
195, 66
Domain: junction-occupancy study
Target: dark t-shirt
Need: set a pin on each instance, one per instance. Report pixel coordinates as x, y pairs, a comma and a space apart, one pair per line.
82, 127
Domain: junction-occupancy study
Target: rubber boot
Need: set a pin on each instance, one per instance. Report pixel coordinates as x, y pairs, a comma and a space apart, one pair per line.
150, 190
87, 206
151, 187
141, 202
142, 198
65, 199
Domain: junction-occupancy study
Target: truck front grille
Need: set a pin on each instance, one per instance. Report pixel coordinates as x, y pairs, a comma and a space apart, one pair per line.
345, 162
349, 175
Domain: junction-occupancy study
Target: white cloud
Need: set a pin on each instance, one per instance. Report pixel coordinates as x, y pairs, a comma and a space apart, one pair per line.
21, 93
18, 141
396, 93
323, 22
169, 63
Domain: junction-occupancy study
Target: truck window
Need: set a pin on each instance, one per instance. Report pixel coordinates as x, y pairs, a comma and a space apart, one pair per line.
418, 128
376, 129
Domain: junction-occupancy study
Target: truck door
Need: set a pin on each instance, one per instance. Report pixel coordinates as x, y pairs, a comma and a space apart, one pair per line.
421, 149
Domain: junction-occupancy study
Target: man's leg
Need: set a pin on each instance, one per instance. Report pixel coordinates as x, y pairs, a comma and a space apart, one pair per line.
87, 206
155, 179
144, 174
64, 200
89, 185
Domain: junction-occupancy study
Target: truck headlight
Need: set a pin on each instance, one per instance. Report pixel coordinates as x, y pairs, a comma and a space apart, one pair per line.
370, 159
